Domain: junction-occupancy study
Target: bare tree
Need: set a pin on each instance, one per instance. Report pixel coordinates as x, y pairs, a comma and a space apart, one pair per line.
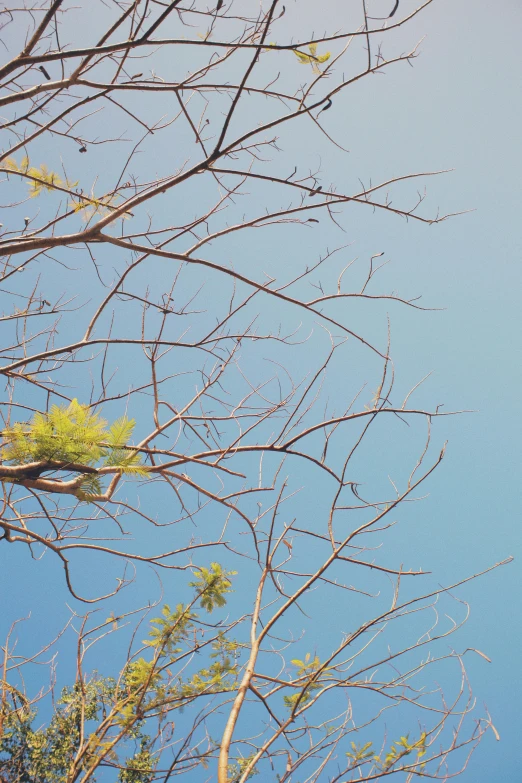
146, 144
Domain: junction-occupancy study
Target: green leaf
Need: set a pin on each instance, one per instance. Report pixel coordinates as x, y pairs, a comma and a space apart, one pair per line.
312, 59
74, 435
120, 432
168, 631
212, 584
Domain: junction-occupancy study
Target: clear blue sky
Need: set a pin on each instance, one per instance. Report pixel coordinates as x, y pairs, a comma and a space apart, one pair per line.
458, 108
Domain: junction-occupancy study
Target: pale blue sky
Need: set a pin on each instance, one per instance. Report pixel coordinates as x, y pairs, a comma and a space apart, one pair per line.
460, 108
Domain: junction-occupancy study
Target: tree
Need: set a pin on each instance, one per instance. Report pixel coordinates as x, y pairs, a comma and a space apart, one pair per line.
148, 145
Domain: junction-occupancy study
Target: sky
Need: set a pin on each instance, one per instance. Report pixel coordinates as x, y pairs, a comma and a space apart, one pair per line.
458, 109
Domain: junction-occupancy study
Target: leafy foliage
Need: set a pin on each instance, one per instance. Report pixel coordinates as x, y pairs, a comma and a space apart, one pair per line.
170, 629
72, 436
397, 752
44, 755
236, 769
313, 58
220, 676
102, 720
213, 583
360, 753
403, 747
140, 768
40, 179
308, 681
92, 205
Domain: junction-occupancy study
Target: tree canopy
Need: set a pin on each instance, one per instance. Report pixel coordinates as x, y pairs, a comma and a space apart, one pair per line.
179, 303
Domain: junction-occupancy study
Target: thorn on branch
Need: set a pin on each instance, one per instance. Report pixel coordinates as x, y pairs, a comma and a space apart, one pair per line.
326, 107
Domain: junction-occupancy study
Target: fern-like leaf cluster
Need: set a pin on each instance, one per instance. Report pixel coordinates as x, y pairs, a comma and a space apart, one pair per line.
72, 437
40, 179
